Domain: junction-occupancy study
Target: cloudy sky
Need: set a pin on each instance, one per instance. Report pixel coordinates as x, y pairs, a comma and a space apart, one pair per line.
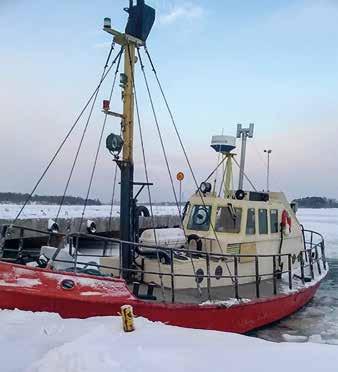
273, 63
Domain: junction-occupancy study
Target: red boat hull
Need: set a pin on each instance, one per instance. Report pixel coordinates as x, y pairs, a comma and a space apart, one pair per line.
33, 289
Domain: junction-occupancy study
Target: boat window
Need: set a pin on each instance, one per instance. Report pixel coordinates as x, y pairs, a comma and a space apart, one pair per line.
228, 219
263, 221
200, 217
250, 222
274, 220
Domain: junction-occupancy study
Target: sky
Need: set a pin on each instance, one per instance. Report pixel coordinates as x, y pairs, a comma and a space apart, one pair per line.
272, 63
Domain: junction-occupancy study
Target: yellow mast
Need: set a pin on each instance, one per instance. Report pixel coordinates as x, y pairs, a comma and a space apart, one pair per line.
140, 21
128, 102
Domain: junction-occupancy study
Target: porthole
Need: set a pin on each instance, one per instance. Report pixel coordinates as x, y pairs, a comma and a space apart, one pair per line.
199, 276
67, 284
218, 272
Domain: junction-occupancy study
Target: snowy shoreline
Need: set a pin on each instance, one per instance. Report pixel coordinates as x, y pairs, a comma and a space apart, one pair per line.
99, 344
40, 211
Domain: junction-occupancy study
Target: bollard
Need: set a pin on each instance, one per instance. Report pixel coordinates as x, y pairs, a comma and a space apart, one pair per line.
127, 318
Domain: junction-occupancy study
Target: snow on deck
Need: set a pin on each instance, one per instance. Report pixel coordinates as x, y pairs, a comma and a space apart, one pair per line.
42, 342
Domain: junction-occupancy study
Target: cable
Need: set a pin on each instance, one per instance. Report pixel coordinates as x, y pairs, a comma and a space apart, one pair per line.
60, 147
84, 132
146, 173
166, 161
184, 151
219, 164
100, 141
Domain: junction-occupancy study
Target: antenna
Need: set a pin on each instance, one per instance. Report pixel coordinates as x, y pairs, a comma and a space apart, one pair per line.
243, 133
224, 145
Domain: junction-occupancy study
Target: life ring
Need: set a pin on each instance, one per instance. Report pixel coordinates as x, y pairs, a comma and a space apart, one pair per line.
286, 223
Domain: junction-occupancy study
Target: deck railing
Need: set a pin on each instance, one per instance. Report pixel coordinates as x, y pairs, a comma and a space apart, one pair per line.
311, 259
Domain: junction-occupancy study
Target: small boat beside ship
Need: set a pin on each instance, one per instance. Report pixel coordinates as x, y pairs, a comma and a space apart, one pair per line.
239, 260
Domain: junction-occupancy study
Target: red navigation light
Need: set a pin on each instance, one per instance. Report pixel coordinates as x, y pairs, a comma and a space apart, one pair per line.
106, 105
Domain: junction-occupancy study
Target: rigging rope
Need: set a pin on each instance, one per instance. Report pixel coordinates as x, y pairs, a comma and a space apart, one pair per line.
222, 182
146, 174
167, 162
61, 145
84, 131
219, 164
100, 140
184, 151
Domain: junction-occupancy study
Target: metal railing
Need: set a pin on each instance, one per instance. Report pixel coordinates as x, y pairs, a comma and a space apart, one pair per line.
311, 258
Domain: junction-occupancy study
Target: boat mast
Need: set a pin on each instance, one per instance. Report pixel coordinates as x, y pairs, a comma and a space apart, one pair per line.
140, 21
127, 164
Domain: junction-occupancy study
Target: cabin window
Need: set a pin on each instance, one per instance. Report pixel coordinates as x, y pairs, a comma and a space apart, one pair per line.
200, 217
274, 220
228, 219
251, 222
263, 221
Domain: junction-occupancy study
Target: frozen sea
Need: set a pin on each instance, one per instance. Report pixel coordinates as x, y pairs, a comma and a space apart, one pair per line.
318, 321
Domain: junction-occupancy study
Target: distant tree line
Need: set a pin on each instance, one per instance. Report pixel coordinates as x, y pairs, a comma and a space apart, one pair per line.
316, 202
18, 198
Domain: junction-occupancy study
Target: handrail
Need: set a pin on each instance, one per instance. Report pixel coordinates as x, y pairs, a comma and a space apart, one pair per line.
313, 256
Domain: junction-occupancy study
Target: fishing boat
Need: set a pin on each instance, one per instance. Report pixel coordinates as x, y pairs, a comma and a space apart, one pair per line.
238, 260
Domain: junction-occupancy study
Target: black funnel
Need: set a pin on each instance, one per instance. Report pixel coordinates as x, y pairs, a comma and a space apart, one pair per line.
140, 21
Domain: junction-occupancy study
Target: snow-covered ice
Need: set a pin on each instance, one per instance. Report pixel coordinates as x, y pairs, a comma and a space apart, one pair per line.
318, 321
44, 342
324, 221
9, 211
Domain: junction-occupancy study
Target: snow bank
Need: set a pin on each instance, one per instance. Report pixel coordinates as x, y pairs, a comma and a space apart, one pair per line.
41, 342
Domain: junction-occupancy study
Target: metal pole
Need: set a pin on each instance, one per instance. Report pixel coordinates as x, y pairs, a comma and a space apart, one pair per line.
257, 276
243, 133
241, 170
180, 197
172, 276
274, 275
236, 276
268, 170
268, 184
290, 270
208, 276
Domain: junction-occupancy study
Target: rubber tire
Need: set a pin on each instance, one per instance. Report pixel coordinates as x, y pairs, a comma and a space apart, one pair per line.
141, 210
198, 241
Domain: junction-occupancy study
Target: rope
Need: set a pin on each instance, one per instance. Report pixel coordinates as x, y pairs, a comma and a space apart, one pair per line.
167, 163
215, 170
184, 151
84, 133
222, 182
118, 58
60, 147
